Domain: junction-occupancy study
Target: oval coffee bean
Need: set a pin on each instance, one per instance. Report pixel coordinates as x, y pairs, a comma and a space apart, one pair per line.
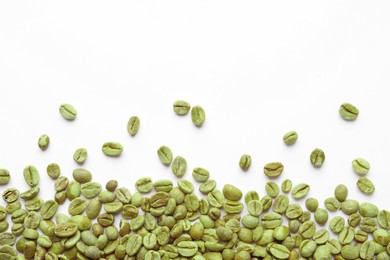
112, 149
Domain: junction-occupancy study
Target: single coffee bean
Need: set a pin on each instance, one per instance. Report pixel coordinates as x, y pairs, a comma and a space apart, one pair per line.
348, 111
4, 176
179, 166
368, 224
368, 209
90, 189
317, 157
354, 219
272, 189
187, 248
322, 252
346, 235
300, 190
307, 229
43, 141
53, 170
66, 229
80, 155
367, 250
10, 195
365, 185
281, 233
49, 209
245, 162
111, 185
198, 115
77, 206
93, 208
31, 175
82, 175
290, 137
280, 204
74, 190
200, 174
332, 204
349, 207
361, 166
7, 238
271, 220
181, 107
321, 216
286, 186
231, 192
144, 185
68, 111
273, 169
61, 183
165, 155
133, 244
112, 149
163, 185
383, 219
350, 252
334, 246
207, 186
311, 204
133, 125
279, 251
341, 192
307, 248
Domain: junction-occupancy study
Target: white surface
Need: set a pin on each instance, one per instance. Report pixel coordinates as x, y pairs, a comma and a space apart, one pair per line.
259, 69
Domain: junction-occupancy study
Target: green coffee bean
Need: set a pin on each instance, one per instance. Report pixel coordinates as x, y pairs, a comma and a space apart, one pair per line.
207, 186
281, 233
350, 252
272, 189
271, 220
74, 190
7, 238
341, 192
10, 195
123, 195
317, 157
133, 245
133, 125
245, 162
334, 246
185, 186
321, 236
68, 111
365, 185
4, 176
144, 185
49, 209
322, 252
165, 155
307, 229
360, 235
367, 250
280, 204
77, 206
354, 219
17, 229
112, 149
332, 204
43, 141
31, 175
61, 183
200, 174
198, 116
111, 185
290, 137
360, 166
286, 186
82, 175
349, 206
33, 204
179, 165
321, 216
383, 219
368, 224
231, 192
279, 251
106, 196
31, 193
273, 169
66, 229
181, 107
307, 248
251, 195
80, 155
368, 209
53, 170
90, 189
163, 185
311, 204
300, 190
337, 224
346, 235
348, 111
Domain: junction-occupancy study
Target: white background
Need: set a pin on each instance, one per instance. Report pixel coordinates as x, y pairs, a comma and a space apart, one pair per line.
258, 68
